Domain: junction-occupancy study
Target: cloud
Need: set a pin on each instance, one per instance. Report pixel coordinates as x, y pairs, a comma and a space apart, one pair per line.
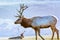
6, 22
8, 28
9, 3
28, 2
47, 0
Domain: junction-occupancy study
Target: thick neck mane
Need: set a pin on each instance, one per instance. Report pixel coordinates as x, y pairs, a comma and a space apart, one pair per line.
26, 22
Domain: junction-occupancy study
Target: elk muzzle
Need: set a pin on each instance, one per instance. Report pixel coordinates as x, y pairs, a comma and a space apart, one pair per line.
15, 22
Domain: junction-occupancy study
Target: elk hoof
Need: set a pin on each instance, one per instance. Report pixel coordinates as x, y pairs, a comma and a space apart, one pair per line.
43, 39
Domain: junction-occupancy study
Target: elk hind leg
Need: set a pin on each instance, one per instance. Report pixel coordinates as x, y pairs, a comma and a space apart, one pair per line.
54, 30
57, 32
40, 35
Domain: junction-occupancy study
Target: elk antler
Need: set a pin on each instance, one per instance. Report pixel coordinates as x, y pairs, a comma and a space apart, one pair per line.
22, 8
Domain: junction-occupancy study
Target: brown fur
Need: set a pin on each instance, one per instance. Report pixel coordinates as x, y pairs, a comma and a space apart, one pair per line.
26, 22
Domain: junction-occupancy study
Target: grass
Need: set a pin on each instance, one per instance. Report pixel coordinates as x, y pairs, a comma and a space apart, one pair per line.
33, 38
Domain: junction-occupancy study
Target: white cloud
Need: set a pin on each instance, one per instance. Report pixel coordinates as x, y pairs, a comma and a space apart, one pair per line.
6, 20
28, 2
10, 26
9, 3
9, 23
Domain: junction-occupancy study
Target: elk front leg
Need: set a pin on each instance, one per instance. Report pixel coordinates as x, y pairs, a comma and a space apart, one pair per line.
36, 34
39, 34
52, 36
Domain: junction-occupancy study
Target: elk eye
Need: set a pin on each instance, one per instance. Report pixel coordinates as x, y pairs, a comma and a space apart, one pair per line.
18, 19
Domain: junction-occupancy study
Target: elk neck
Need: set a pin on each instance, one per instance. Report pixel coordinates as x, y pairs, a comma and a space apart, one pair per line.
26, 22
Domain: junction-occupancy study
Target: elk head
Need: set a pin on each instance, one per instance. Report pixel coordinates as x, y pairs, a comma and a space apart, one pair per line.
22, 8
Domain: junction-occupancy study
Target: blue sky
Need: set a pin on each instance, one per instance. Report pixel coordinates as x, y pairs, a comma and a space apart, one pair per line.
35, 8
9, 0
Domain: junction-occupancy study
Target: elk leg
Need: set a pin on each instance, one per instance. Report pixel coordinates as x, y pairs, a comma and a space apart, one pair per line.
40, 35
53, 31
52, 36
57, 32
36, 34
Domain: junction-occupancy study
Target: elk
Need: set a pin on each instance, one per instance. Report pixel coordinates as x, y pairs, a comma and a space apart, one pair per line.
37, 22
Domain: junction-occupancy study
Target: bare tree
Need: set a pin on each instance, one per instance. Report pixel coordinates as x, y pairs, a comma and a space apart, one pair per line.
37, 23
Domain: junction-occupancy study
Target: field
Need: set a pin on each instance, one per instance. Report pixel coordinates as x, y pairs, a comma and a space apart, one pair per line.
28, 38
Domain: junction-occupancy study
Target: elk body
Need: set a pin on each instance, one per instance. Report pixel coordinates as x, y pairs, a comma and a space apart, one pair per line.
38, 23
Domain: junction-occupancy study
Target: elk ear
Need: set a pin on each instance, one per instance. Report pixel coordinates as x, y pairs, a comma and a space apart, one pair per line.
15, 16
26, 6
22, 16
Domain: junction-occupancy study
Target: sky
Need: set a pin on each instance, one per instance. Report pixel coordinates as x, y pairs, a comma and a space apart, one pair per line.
35, 8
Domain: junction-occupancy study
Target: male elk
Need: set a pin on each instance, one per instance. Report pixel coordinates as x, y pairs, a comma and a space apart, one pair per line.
37, 23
